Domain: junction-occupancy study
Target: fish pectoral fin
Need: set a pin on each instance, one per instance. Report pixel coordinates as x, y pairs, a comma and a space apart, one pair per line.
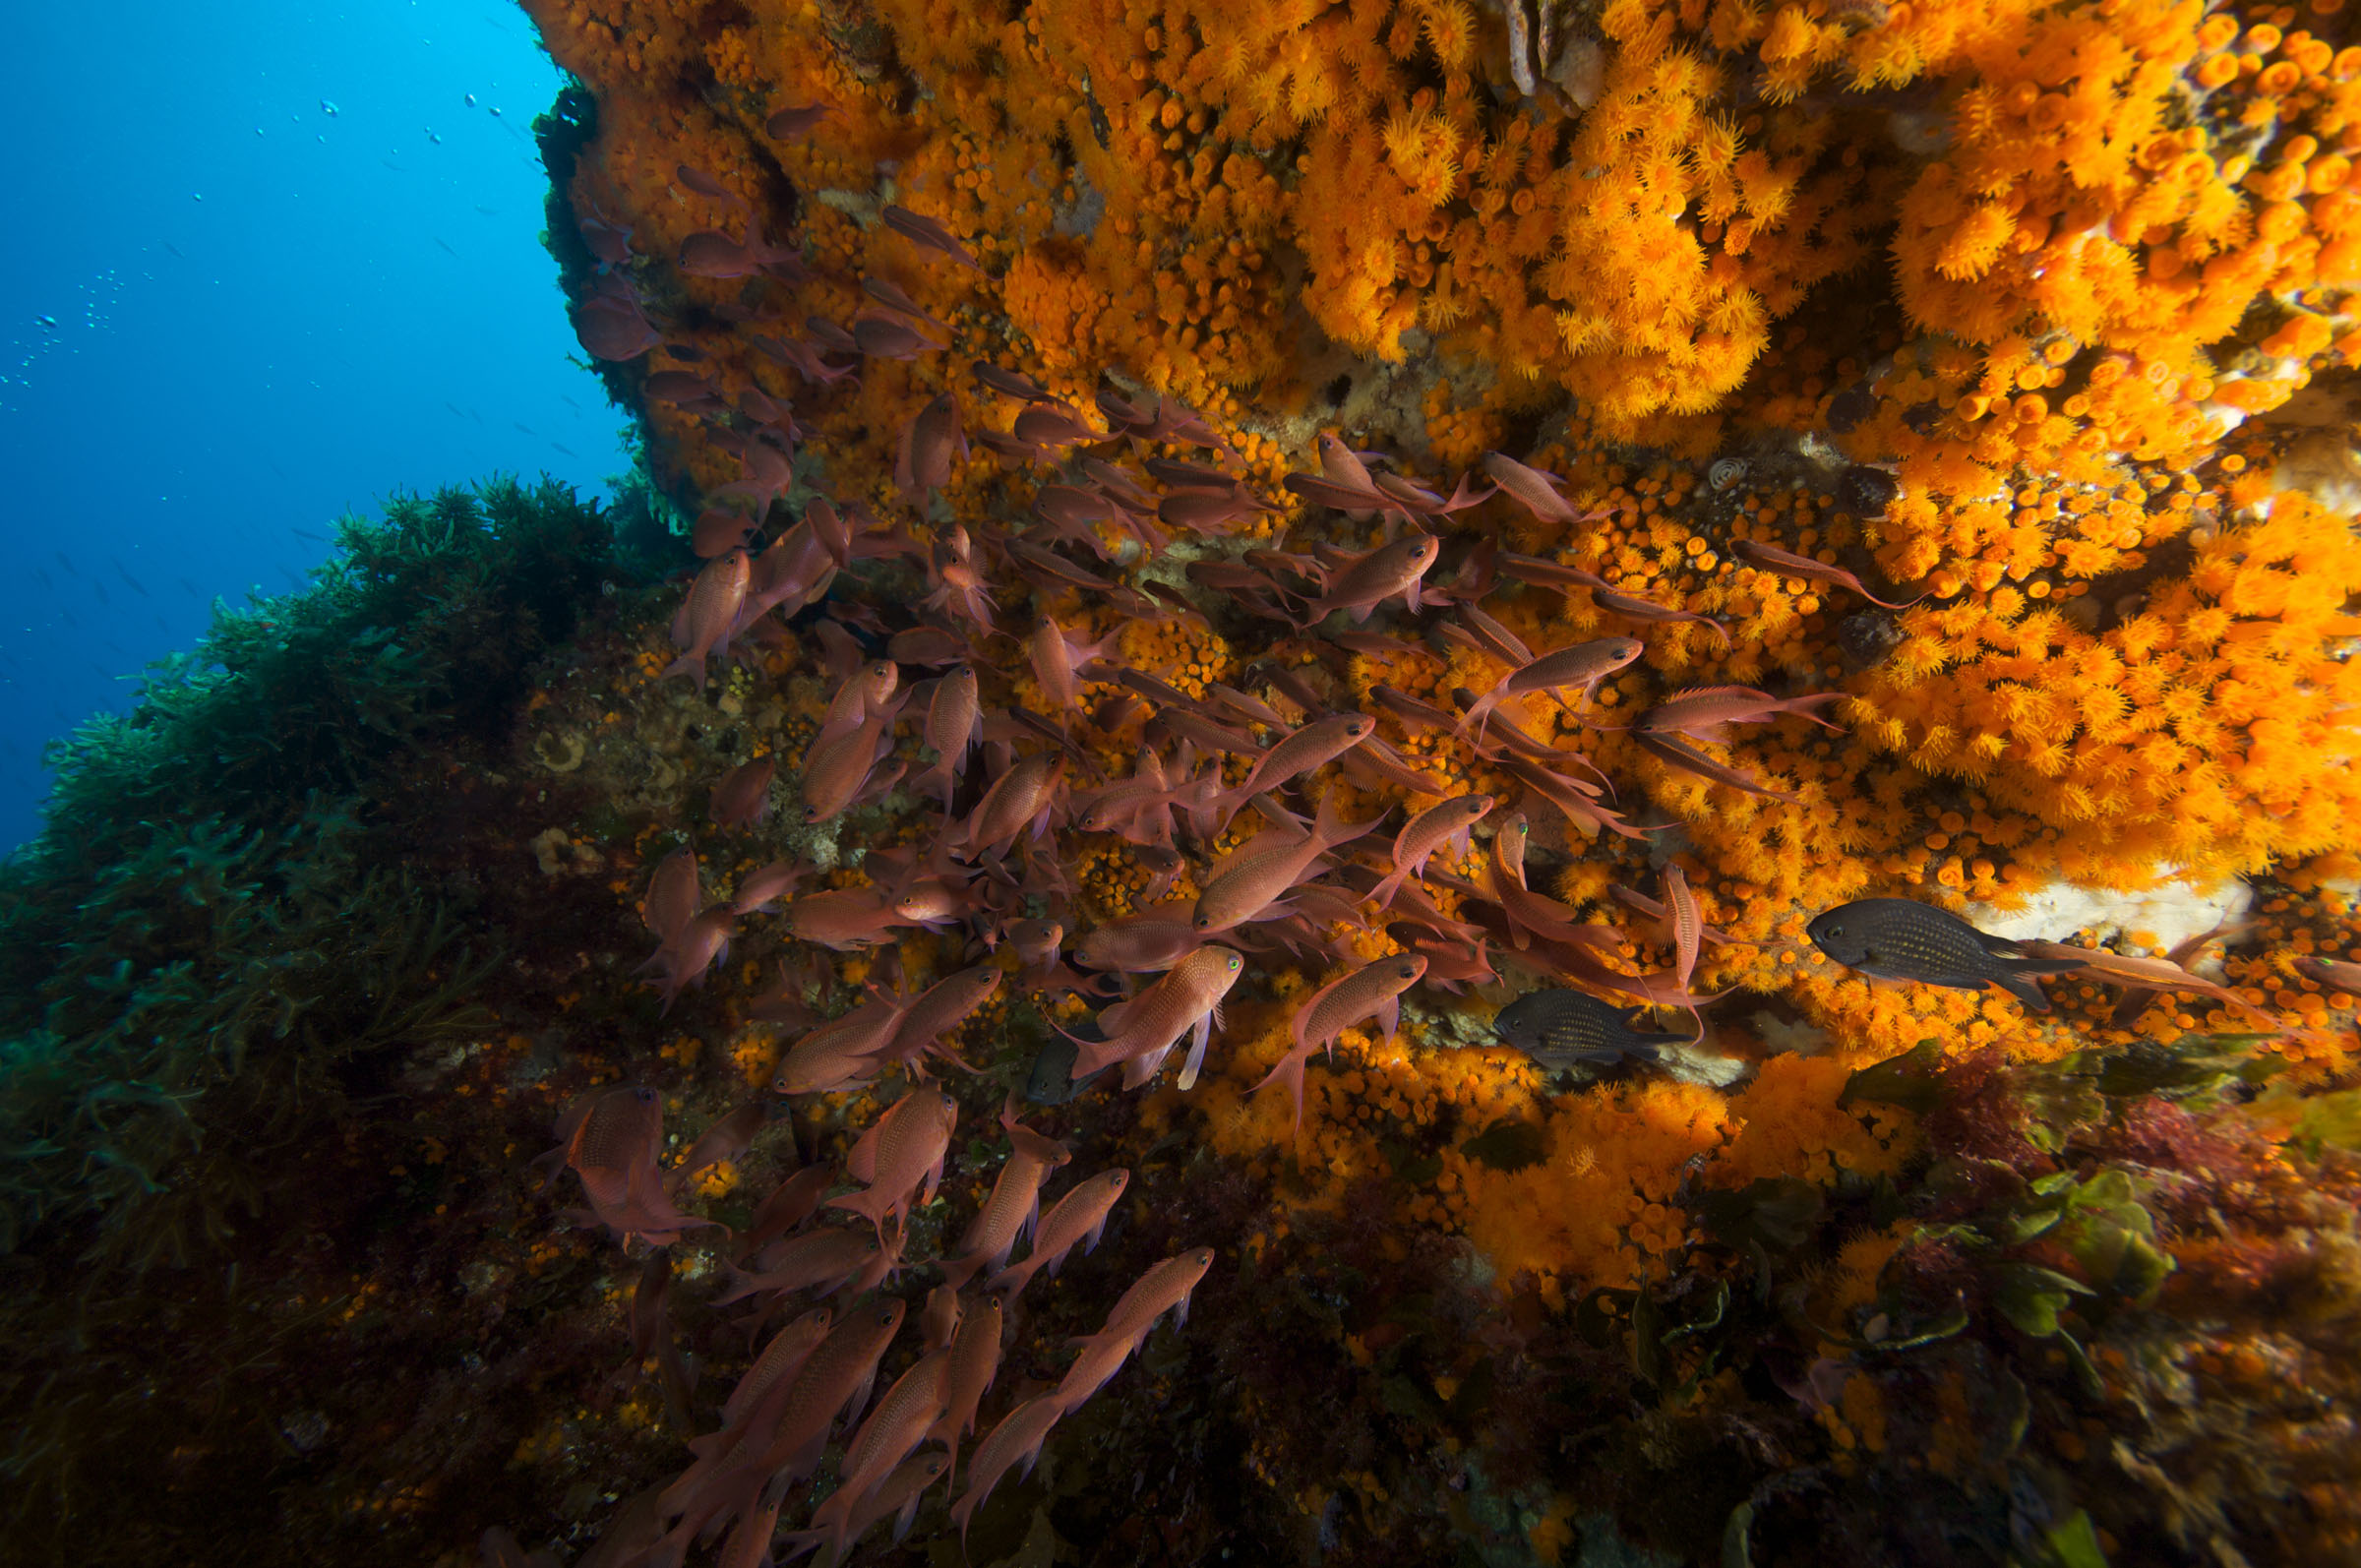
2025, 991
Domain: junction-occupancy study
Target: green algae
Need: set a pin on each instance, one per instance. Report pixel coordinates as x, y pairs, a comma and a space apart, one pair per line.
224, 949
209, 900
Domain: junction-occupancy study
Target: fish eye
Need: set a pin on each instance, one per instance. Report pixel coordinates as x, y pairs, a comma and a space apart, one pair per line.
1836, 930
1407, 972
1233, 960
1204, 922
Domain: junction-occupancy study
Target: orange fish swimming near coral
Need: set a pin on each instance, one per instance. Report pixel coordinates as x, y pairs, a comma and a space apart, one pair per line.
1374, 990
900, 1155
1165, 1287
710, 610
1245, 886
1584, 665
1075, 1220
612, 1146
1011, 1210
1186, 1000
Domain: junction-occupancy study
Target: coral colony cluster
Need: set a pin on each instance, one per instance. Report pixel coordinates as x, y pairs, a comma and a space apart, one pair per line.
1630, 726
1807, 549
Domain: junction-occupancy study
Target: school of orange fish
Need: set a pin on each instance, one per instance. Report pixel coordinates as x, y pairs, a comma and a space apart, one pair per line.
1015, 785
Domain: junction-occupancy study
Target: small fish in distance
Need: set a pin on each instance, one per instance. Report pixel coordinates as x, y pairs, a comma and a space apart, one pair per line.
1901, 939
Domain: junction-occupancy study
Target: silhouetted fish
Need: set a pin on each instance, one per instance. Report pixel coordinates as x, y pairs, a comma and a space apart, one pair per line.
1052, 1080
1560, 1028
1901, 939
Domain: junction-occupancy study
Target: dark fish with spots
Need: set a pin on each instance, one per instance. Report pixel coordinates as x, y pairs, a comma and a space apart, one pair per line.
1901, 939
1561, 1028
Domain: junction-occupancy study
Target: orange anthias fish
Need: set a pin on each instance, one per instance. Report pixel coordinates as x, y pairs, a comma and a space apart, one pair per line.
844, 919
1705, 714
1583, 665
1359, 583
1681, 754
755, 1402
694, 950
939, 1009
929, 232
1012, 1208
1373, 990
931, 442
1788, 564
826, 1258
784, 1357
2330, 972
704, 623
1685, 925
955, 724
901, 1152
1259, 874
1142, 943
1445, 822
1163, 1288
1075, 1220
900, 1424
975, 1362
1016, 1440
1535, 490
1021, 798
865, 694
1186, 999
758, 891
1320, 742
1529, 913
2153, 974
613, 1149
840, 1055
835, 773
898, 1497
1647, 610
1060, 664
788, 1433
673, 895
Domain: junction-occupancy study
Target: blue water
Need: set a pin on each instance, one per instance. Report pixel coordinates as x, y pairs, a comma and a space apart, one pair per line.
269, 264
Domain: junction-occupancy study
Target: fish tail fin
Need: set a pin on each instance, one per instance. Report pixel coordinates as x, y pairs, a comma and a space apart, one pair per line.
1332, 829
1478, 714
1290, 1071
956, 1272
687, 664
1013, 1278
1803, 707
859, 1203
1382, 895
